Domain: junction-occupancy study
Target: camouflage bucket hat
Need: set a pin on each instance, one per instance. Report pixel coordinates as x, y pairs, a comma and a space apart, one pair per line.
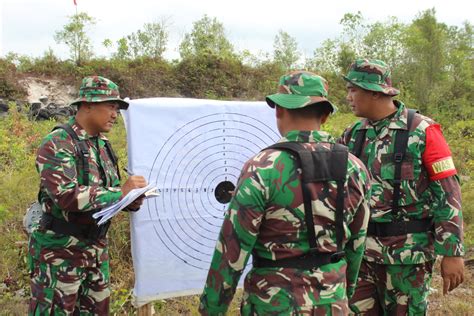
299, 89
99, 89
372, 75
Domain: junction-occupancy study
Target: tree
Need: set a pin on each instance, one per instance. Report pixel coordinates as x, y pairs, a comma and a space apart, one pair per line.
424, 64
206, 37
336, 55
353, 33
384, 41
325, 58
460, 66
149, 42
285, 50
74, 34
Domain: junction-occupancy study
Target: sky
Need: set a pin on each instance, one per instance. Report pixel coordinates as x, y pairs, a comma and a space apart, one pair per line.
27, 27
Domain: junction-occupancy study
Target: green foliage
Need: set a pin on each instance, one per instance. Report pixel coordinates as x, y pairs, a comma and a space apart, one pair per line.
10, 88
424, 67
383, 41
151, 42
74, 35
209, 76
47, 65
206, 38
285, 50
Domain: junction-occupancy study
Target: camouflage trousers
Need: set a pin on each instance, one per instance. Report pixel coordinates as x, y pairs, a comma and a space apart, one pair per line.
392, 289
339, 308
68, 276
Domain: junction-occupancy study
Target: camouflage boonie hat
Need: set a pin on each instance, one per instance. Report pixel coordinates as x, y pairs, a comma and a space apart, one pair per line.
299, 89
372, 75
99, 89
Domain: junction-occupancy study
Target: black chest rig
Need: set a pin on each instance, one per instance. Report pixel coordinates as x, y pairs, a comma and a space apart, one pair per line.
319, 165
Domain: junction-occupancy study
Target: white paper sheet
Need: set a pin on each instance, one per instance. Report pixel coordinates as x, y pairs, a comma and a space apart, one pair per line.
188, 147
110, 211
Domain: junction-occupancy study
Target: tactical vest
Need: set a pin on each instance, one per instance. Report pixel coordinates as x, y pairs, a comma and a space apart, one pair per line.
60, 226
399, 227
318, 165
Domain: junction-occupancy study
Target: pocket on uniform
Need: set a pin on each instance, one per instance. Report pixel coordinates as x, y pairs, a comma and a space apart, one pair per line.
387, 169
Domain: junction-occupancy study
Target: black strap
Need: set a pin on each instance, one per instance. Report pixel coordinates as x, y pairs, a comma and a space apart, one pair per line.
113, 156
399, 154
82, 149
321, 164
401, 142
399, 228
80, 231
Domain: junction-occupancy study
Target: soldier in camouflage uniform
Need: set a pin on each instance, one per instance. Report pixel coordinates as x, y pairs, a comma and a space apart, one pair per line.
404, 234
266, 218
68, 257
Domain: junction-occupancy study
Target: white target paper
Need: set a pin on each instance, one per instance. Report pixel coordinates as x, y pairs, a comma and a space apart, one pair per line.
190, 148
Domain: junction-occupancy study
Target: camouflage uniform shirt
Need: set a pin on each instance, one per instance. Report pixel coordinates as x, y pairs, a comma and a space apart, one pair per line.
429, 189
266, 217
63, 195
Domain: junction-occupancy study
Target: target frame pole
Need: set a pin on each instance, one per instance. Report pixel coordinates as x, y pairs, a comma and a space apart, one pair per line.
145, 310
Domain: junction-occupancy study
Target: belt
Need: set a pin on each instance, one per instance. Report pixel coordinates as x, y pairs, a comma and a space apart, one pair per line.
80, 231
400, 228
305, 262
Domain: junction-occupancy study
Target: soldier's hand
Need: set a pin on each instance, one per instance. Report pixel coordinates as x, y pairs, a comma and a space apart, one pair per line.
134, 182
452, 271
135, 205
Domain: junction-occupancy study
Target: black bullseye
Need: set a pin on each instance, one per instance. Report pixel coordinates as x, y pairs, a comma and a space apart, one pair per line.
223, 192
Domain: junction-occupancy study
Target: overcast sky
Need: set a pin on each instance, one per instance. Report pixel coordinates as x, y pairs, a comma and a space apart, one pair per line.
27, 26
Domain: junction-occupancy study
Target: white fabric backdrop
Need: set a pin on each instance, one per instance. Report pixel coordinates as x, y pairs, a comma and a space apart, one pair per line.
187, 147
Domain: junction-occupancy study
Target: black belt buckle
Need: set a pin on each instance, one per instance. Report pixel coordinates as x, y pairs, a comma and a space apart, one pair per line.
335, 257
398, 157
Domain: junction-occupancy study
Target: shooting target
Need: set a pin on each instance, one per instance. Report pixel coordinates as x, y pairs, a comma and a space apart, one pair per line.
193, 150
196, 171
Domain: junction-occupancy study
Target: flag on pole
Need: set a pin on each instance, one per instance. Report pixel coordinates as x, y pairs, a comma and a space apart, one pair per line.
75, 2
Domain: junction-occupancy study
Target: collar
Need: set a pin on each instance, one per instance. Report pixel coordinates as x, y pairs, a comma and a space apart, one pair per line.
313, 136
395, 121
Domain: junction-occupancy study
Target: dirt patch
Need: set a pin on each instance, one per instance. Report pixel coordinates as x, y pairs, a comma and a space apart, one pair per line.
57, 92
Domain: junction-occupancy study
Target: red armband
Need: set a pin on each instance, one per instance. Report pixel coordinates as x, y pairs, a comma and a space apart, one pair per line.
437, 156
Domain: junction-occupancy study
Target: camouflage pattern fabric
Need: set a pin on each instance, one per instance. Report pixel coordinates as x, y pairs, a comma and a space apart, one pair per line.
99, 89
392, 289
68, 275
266, 217
299, 89
371, 74
65, 270
420, 198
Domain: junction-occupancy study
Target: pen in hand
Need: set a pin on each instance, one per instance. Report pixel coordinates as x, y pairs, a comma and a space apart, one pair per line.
133, 182
128, 171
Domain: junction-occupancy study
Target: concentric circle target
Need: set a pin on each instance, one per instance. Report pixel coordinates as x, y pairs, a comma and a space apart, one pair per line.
195, 170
